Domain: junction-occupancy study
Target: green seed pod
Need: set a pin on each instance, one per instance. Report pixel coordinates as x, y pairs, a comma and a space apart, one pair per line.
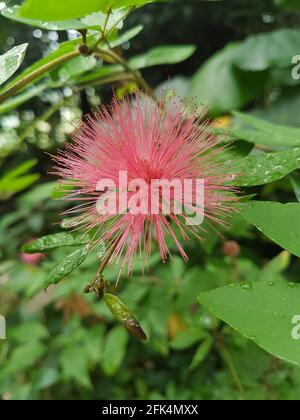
123, 315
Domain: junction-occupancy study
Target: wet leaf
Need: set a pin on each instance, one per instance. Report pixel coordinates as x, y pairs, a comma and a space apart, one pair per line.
280, 222
67, 265
56, 240
265, 168
11, 61
262, 312
258, 131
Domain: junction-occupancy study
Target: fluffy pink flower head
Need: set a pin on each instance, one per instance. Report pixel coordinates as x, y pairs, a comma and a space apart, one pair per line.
147, 141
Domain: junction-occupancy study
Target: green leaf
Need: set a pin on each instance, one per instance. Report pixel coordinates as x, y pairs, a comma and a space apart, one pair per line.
15, 180
24, 357
13, 13
37, 195
277, 265
56, 240
164, 54
295, 180
63, 49
124, 315
28, 332
256, 137
116, 4
283, 110
14, 186
262, 51
262, 312
11, 61
280, 222
21, 169
258, 131
45, 377
99, 73
67, 265
126, 36
188, 338
167, 54
55, 10
201, 353
74, 67
291, 133
288, 4
75, 365
220, 86
69, 9
265, 168
114, 350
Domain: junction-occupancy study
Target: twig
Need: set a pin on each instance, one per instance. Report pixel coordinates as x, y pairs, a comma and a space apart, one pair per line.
226, 357
136, 74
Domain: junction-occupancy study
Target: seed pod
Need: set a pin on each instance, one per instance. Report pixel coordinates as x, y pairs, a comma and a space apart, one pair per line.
123, 315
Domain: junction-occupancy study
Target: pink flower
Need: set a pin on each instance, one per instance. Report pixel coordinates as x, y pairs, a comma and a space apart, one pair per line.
147, 141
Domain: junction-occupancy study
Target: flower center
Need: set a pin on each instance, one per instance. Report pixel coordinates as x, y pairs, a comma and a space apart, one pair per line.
148, 170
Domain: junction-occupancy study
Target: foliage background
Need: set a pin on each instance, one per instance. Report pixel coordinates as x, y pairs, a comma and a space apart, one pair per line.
66, 345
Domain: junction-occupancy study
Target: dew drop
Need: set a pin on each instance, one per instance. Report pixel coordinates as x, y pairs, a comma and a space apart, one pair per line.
247, 286
270, 283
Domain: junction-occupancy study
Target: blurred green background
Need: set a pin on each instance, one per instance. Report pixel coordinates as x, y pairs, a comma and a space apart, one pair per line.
66, 345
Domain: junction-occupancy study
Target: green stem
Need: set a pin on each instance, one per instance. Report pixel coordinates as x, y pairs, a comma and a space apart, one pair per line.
119, 77
29, 78
107, 258
99, 284
106, 22
141, 82
225, 355
102, 30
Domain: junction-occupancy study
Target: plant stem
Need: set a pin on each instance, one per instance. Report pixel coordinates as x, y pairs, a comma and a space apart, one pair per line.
119, 77
225, 355
29, 78
102, 30
99, 284
141, 82
106, 22
107, 258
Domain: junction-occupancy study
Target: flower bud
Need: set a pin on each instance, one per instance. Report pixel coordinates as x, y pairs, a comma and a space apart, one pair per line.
124, 315
231, 249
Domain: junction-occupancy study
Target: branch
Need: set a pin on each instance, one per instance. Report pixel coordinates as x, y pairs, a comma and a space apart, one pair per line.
136, 74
